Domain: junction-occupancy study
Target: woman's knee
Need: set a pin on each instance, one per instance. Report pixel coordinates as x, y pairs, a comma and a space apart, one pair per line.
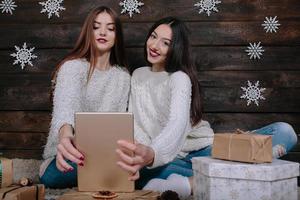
49, 182
288, 131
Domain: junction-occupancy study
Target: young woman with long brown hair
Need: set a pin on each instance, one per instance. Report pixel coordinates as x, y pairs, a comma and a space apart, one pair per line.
93, 77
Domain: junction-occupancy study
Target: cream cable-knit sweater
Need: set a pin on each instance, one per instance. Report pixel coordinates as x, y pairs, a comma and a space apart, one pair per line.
105, 91
160, 103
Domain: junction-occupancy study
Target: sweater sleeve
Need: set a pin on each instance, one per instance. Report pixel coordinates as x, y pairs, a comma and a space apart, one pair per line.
67, 94
171, 139
66, 101
139, 135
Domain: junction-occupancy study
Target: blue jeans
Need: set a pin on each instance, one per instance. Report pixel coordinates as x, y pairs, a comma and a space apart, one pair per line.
282, 134
53, 178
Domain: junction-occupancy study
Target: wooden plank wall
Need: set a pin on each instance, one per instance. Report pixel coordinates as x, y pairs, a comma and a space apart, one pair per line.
219, 44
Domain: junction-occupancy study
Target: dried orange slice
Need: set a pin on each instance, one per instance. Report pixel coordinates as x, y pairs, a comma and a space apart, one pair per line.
104, 195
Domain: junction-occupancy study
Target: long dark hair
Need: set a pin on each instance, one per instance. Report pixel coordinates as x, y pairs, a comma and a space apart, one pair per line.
85, 46
179, 59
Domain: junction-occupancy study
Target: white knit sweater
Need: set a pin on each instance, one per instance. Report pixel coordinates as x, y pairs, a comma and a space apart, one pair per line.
161, 103
105, 91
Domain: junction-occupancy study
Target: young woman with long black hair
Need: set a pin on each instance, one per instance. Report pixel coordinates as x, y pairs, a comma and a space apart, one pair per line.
166, 103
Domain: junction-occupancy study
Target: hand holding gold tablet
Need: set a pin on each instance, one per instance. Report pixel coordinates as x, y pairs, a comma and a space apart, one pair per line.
142, 156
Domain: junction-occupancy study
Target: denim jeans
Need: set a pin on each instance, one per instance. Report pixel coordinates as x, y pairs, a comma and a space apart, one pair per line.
283, 134
53, 178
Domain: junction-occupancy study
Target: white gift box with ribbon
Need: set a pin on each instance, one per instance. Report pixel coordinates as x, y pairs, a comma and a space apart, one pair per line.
216, 179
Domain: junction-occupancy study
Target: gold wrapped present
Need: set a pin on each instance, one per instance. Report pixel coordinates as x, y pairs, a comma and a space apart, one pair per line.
243, 146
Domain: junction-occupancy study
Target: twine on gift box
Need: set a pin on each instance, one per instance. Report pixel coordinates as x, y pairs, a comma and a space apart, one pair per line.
238, 131
262, 145
23, 183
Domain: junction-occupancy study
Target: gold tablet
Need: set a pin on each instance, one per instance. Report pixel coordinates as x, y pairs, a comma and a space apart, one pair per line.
96, 136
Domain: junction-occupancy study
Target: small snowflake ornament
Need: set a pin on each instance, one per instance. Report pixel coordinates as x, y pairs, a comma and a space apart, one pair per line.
131, 6
23, 55
252, 93
254, 50
52, 7
271, 24
7, 6
207, 6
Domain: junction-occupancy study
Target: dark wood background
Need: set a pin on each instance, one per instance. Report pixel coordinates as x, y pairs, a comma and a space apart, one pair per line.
219, 44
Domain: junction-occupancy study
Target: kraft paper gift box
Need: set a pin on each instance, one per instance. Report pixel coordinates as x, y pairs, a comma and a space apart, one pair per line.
216, 179
138, 194
17, 192
243, 147
6, 172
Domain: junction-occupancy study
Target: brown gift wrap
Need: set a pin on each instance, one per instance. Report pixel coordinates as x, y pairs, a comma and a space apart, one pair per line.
17, 192
138, 194
6, 172
242, 146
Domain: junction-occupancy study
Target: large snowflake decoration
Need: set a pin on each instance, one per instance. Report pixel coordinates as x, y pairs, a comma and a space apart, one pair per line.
7, 6
271, 24
252, 93
131, 6
23, 55
52, 7
254, 50
207, 6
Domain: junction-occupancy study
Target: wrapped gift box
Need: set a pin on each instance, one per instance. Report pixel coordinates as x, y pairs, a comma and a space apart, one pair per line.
16, 192
6, 172
216, 179
243, 147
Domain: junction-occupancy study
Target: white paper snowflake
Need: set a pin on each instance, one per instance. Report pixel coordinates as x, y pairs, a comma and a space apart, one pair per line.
271, 24
23, 55
52, 7
207, 6
7, 6
131, 6
252, 93
254, 50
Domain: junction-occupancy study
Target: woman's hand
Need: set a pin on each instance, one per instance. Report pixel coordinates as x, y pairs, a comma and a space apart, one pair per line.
67, 150
142, 156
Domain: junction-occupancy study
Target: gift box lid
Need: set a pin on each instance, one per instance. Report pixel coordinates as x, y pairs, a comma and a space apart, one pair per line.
278, 169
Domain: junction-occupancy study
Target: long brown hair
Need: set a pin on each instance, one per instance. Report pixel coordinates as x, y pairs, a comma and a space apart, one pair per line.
85, 46
179, 59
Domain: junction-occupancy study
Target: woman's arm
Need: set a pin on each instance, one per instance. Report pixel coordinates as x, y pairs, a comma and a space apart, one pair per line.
171, 139
66, 102
139, 135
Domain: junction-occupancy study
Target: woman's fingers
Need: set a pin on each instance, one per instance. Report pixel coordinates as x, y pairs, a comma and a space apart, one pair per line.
127, 145
67, 143
134, 177
65, 154
61, 164
130, 169
68, 151
130, 160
